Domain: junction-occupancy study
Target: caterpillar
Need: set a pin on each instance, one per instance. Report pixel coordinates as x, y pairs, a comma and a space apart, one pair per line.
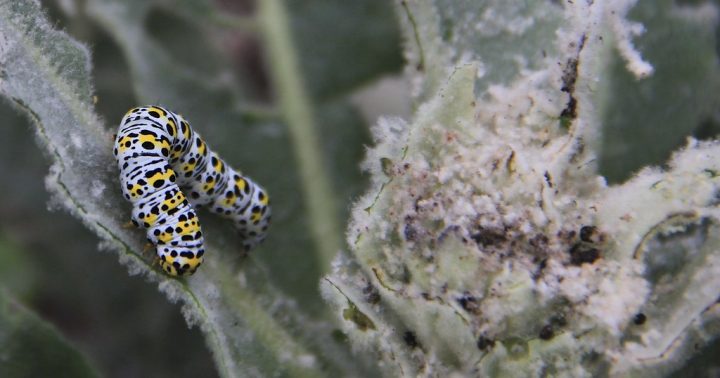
166, 172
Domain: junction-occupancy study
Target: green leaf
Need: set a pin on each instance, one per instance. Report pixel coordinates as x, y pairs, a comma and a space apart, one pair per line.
30, 347
488, 245
16, 271
506, 37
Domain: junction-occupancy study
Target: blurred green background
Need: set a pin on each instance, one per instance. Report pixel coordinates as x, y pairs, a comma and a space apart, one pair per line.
51, 263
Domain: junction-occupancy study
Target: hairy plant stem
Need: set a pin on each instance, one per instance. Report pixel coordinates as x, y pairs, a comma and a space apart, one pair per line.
273, 335
297, 111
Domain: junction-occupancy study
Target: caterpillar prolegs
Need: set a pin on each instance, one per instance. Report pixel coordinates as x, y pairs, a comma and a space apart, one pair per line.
167, 170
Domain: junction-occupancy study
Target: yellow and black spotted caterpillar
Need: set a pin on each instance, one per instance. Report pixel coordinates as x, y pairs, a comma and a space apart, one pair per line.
161, 159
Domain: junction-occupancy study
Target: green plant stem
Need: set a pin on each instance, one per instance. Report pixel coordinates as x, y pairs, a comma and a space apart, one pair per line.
257, 111
297, 111
285, 348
